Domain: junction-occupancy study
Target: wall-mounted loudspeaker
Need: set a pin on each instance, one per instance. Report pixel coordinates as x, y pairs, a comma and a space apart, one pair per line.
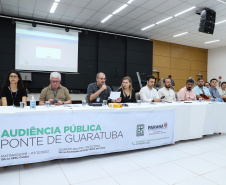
207, 21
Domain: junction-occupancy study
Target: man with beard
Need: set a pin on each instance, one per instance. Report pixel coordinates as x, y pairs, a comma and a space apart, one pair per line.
202, 91
98, 91
166, 92
187, 93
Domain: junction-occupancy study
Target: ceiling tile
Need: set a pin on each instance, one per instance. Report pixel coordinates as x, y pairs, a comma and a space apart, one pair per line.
101, 26
61, 9
194, 2
121, 29
10, 2
122, 21
10, 10
78, 21
132, 24
99, 16
127, 10
73, 11
90, 24
147, 16
53, 17
152, 4
66, 1
80, 3
86, 14
43, 5
25, 11
209, 3
97, 4
166, 6
40, 13
136, 13
181, 7
111, 6
139, 2
27, 4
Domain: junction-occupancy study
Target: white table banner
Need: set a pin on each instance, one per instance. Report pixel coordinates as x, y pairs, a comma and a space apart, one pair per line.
29, 138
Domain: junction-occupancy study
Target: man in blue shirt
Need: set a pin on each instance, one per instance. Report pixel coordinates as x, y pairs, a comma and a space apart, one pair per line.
213, 90
201, 90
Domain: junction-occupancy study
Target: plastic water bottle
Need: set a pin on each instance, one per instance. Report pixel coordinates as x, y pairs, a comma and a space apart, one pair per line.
33, 103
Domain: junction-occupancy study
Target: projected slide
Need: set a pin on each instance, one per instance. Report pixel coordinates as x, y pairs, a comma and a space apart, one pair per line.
46, 49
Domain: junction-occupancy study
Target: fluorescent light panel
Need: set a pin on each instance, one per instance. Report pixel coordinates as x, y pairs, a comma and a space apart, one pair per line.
147, 27
105, 19
120, 9
189, 9
164, 20
53, 8
180, 34
129, 2
211, 41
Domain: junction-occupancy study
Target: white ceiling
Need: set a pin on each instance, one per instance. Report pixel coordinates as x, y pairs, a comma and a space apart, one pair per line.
130, 21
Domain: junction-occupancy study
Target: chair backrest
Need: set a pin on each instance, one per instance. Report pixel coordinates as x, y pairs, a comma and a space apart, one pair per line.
137, 96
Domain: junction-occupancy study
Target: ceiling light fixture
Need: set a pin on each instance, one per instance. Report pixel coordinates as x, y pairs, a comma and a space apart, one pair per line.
211, 41
129, 2
147, 27
222, 1
53, 8
164, 20
106, 18
220, 22
189, 9
120, 9
180, 34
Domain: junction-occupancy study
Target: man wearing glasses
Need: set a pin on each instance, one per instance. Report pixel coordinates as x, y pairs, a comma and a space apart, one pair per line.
55, 92
98, 91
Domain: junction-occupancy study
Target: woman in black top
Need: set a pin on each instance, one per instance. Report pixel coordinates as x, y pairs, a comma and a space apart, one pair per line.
13, 92
127, 91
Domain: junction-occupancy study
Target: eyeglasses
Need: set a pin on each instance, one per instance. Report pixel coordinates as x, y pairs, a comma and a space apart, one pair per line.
102, 78
11, 76
55, 82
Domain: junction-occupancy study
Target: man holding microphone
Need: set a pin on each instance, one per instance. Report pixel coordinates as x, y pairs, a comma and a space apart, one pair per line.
98, 91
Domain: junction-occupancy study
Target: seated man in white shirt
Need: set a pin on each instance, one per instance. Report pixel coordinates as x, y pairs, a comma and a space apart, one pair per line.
149, 93
166, 92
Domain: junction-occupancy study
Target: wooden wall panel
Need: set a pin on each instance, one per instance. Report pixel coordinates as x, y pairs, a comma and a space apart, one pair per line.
180, 53
198, 66
161, 48
198, 56
180, 61
161, 61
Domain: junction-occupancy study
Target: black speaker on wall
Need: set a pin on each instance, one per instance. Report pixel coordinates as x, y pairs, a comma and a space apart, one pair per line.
207, 21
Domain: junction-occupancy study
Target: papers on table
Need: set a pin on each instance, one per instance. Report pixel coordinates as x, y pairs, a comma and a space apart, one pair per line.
114, 95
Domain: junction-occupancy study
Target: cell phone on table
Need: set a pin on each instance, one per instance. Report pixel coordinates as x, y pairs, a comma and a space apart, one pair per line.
55, 100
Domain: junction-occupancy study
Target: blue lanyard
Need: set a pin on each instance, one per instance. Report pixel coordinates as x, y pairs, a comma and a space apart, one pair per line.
54, 93
12, 95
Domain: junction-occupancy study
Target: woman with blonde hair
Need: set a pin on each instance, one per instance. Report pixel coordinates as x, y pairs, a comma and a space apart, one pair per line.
127, 91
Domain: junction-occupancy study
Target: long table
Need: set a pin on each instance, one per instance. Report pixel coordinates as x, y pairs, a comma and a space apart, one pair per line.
48, 133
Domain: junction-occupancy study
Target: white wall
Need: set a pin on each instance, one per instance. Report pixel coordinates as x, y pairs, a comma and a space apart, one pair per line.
216, 63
